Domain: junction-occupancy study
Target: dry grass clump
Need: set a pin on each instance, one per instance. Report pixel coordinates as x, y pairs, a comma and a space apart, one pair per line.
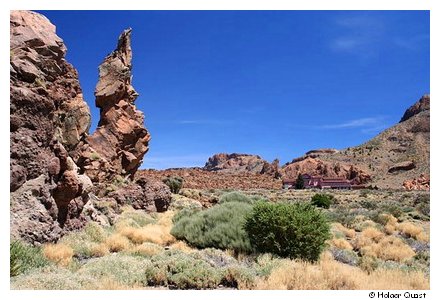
409, 229
158, 233
349, 233
146, 249
329, 274
99, 250
58, 253
182, 246
341, 244
389, 248
373, 234
422, 237
117, 243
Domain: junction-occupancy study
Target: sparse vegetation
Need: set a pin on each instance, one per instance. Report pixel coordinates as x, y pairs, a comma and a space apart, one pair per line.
367, 248
174, 183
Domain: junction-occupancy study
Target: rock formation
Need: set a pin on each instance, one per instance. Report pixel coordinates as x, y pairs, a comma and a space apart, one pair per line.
118, 145
421, 183
316, 167
52, 155
421, 105
236, 163
48, 118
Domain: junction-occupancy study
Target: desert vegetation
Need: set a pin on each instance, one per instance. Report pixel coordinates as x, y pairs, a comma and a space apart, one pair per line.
365, 240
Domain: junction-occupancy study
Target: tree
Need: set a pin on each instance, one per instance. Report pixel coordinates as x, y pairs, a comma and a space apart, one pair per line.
299, 184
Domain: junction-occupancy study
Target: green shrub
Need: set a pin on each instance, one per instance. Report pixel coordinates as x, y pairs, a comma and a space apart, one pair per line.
220, 226
290, 230
174, 183
53, 278
322, 200
24, 257
299, 183
182, 271
122, 268
235, 197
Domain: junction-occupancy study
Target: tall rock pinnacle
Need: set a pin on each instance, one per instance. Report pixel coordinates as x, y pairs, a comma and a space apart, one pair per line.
121, 140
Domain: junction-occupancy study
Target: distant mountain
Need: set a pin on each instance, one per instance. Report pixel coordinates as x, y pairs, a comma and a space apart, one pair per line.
398, 154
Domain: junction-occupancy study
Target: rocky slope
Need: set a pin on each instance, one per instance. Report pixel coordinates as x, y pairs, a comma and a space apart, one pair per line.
197, 178
238, 163
397, 155
52, 158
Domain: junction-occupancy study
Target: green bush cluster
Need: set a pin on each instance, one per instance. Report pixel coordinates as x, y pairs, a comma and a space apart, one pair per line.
182, 271
205, 269
322, 200
235, 197
220, 226
295, 230
174, 183
24, 257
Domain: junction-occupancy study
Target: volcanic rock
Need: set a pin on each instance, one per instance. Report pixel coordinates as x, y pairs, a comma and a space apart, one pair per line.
236, 163
422, 183
49, 118
403, 166
421, 105
317, 167
118, 145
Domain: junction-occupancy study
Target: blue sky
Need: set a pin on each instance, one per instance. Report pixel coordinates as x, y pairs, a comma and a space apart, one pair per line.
272, 83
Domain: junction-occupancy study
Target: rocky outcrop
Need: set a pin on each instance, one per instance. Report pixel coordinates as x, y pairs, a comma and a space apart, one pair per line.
48, 118
145, 193
421, 183
402, 166
237, 163
317, 167
421, 105
118, 145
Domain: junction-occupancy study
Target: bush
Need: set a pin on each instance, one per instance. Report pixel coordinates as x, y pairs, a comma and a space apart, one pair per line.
182, 271
290, 230
322, 200
174, 183
25, 257
220, 227
299, 183
235, 197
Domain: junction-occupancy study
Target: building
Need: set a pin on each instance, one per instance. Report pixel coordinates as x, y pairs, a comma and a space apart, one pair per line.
320, 182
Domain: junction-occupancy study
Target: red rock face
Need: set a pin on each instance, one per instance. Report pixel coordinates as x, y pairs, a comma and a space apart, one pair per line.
118, 145
419, 184
236, 163
48, 118
421, 105
317, 167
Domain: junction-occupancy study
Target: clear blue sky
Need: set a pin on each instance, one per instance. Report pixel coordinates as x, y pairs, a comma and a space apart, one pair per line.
273, 83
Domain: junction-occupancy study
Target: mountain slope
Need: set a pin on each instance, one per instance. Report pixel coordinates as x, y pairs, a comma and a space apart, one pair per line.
397, 154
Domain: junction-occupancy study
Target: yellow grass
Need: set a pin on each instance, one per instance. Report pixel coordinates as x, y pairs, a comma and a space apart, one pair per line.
330, 274
372, 233
350, 233
158, 233
389, 248
409, 229
146, 249
100, 250
341, 244
182, 246
423, 237
117, 242
389, 229
58, 253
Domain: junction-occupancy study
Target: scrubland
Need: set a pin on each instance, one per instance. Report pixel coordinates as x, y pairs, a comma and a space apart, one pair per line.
376, 240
